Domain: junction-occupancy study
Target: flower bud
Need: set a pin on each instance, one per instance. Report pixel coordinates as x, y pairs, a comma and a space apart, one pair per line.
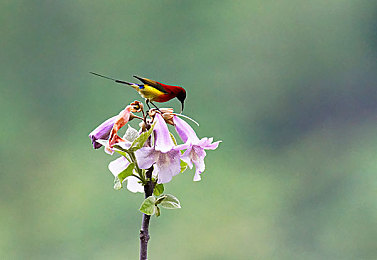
166, 113
152, 112
137, 106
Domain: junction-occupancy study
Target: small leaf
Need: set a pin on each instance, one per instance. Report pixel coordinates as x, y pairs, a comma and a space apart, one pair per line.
158, 212
141, 139
126, 172
158, 189
148, 206
170, 202
131, 134
122, 176
183, 166
160, 199
122, 151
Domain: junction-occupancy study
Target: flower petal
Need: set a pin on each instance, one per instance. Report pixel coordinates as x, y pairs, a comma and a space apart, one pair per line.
167, 166
146, 157
121, 119
200, 165
197, 153
102, 142
131, 134
163, 141
133, 184
212, 146
207, 144
125, 145
102, 131
199, 168
182, 146
197, 175
185, 131
118, 165
105, 143
186, 157
204, 141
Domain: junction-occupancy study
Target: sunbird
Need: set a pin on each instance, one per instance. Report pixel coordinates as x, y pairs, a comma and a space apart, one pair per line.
153, 90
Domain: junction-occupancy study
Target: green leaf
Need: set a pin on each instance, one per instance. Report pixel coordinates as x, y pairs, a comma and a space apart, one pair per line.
123, 175
158, 189
183, 166
148, 206
131, 134
170, 202
126, 172
160, 199
141, 139
123, 152
158, 212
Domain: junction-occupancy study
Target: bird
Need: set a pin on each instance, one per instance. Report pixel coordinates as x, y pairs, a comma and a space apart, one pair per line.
153, 91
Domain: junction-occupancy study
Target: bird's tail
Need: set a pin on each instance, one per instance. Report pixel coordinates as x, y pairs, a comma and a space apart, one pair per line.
135, 86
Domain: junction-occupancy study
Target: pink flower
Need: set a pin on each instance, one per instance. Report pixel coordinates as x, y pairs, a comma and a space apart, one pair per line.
102, 132
107, 133
164, 155
109, 129
194, 155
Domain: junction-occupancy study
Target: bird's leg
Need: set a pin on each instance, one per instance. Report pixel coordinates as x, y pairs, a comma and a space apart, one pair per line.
147, 102
155, 106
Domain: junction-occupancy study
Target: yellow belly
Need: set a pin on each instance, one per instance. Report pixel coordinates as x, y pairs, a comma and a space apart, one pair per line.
150, 92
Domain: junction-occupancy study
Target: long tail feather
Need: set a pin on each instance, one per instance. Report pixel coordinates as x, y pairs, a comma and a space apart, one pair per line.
116, 80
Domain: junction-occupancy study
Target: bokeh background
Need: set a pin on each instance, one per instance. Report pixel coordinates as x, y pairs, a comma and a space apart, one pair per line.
288, 86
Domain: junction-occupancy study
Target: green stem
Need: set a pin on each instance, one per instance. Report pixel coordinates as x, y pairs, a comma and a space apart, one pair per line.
137, 176
139, 171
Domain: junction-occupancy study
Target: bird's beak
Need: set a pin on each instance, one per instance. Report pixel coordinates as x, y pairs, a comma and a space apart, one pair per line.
182, 106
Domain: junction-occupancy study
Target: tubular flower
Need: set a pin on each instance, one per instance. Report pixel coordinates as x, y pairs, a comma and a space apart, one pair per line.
109, 128
119, 165
194, 155
121, 120
164, 154
102, 131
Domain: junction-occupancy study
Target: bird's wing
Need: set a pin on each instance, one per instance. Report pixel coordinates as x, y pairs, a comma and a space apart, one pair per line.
152, 83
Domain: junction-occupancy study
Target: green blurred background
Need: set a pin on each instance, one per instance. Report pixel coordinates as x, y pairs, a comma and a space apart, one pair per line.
289, 86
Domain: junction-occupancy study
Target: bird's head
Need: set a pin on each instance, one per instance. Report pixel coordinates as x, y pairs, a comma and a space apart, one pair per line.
181, 96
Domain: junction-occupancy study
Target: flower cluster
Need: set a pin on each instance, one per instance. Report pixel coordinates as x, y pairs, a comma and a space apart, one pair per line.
152, 146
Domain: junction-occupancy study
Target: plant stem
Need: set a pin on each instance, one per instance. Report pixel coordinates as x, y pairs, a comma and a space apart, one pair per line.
144, 231
138, 170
